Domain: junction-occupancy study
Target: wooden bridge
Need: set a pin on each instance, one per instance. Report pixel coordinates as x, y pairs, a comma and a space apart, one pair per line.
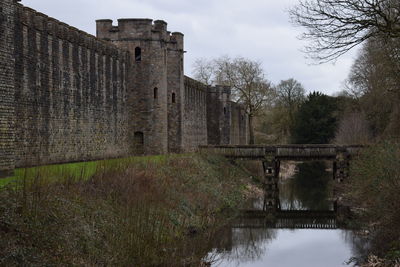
286, 219
283, 152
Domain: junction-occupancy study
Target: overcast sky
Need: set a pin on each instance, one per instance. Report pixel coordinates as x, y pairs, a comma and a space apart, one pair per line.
255, 29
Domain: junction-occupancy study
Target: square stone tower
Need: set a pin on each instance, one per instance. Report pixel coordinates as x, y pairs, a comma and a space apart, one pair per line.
219, 115
155, 79
147, 82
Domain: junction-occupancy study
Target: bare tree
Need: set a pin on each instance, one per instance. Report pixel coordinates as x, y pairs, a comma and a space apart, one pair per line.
377, 67
336, 26
204, 71
245, 77
353, 129
374, 81
290, 94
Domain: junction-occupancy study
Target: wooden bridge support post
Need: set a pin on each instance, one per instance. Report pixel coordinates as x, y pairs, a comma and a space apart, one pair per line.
271, 172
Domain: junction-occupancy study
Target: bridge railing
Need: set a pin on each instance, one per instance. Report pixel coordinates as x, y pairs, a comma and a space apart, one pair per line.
317, 151
235, 151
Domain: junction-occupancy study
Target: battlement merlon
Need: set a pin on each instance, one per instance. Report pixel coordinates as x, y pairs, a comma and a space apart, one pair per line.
160, 25
177, 38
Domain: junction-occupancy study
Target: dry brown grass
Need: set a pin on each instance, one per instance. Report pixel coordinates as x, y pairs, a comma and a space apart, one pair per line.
127, 214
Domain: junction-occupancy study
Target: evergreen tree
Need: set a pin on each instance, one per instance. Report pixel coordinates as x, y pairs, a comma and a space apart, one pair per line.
316, 120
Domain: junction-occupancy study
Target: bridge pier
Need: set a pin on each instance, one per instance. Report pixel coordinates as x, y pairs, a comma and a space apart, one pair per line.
341, 166
271, 169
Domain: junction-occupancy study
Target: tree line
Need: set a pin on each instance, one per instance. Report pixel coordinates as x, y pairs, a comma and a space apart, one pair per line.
281, 113
332, 28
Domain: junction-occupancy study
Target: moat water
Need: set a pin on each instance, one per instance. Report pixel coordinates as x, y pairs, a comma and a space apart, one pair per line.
312, 241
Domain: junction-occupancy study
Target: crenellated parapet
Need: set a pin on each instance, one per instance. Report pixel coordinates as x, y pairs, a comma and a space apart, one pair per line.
138, 29
42, 23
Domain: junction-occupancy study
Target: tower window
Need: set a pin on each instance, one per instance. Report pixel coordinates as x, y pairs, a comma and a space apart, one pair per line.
173, 98
224, 110
138, 54
155, 92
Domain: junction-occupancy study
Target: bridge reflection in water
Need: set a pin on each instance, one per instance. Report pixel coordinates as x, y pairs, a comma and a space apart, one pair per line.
295, 223
287, 219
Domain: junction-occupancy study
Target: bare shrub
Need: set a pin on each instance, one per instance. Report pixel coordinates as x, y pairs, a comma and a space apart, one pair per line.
353, 129
375, 186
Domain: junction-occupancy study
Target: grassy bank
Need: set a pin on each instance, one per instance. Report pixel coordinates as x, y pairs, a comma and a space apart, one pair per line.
76, 171
131, 212
374, 187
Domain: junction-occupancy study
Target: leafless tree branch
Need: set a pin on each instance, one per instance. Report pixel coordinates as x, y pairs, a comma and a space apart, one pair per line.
334, 27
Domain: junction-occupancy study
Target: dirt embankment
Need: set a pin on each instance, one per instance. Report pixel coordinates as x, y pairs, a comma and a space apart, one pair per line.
130, 212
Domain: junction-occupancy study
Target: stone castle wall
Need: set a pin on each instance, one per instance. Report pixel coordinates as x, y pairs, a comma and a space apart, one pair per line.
195, 115
68, 96
7, 88
70, 93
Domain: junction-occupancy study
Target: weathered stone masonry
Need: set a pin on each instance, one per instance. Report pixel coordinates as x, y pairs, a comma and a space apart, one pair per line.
68, 96
227, 122
70, 93
195, 125
7, 89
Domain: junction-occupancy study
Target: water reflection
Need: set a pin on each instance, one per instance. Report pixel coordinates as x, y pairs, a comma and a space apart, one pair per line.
360, 246
308, 189
287, 248
249, 245
302, 231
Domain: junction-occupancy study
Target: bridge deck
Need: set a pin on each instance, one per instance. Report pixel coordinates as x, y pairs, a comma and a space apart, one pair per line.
295, 152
